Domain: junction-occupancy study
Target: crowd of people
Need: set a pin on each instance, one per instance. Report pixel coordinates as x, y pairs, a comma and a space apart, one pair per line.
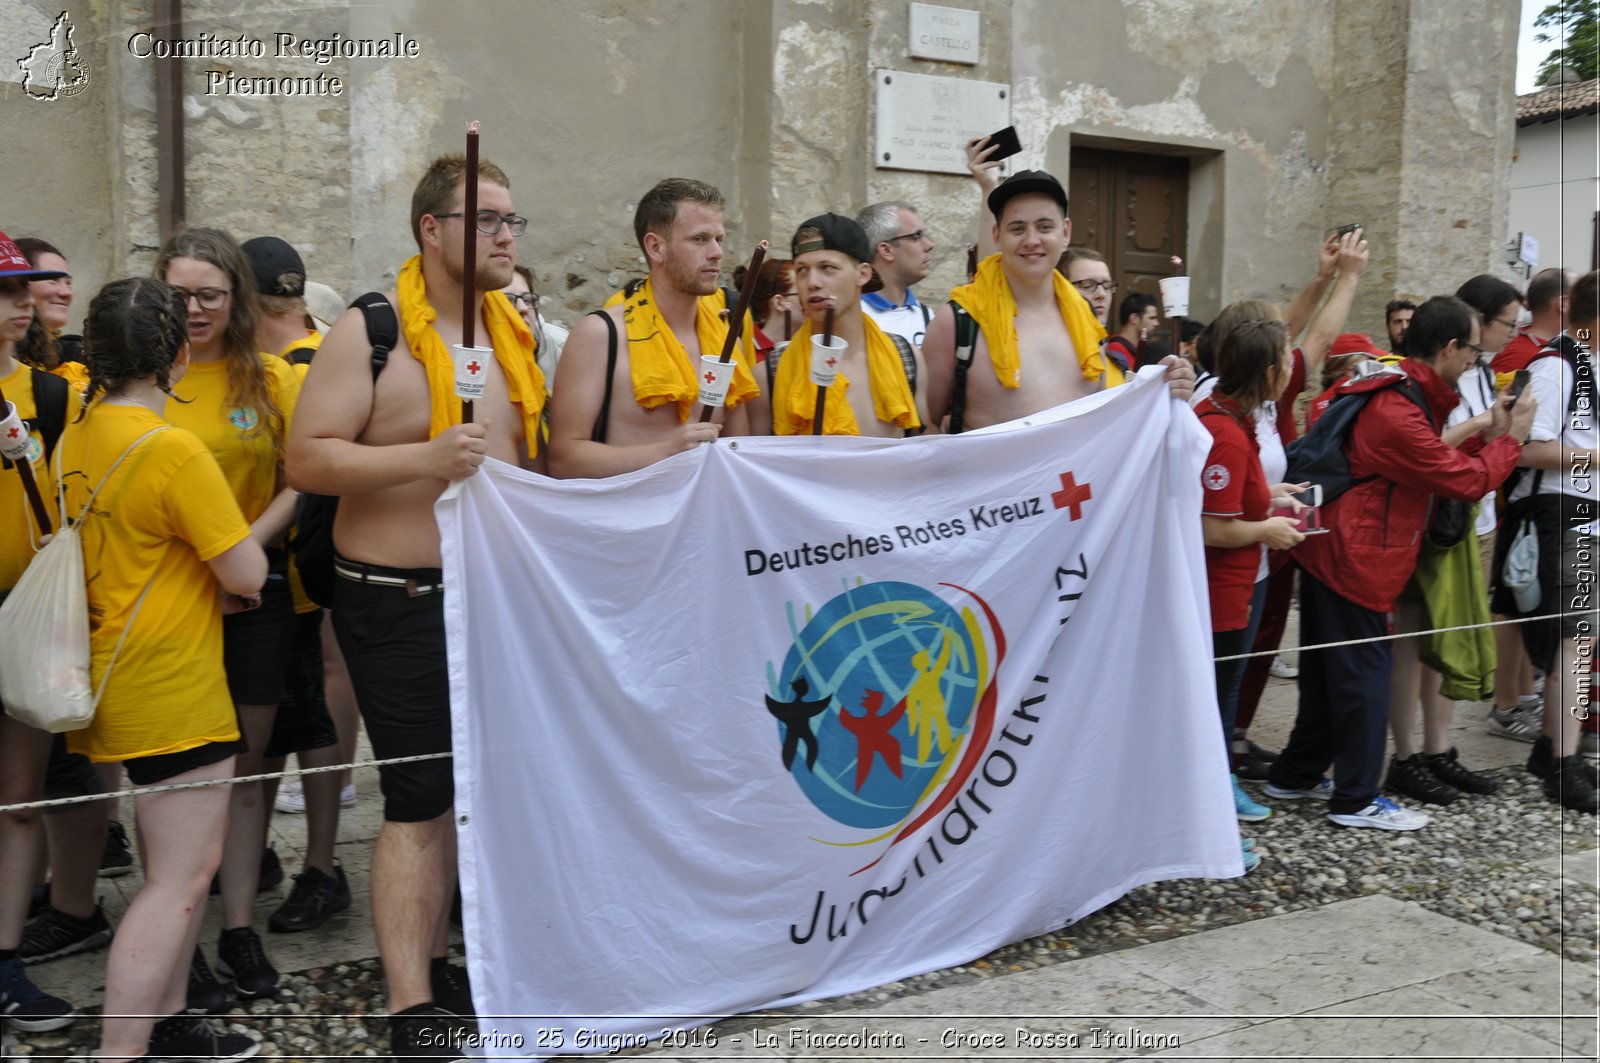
202, 404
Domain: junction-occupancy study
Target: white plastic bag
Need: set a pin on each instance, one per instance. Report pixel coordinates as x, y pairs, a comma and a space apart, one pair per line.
44, 640
44, 627
1521, 567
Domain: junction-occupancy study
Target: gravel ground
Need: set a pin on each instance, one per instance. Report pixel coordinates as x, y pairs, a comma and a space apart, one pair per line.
1470, 864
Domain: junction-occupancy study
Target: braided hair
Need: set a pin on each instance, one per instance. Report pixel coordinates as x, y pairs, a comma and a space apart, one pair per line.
135, 329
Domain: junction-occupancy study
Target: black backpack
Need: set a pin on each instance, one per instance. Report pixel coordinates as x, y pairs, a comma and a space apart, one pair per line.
311, 539
1319, 456
50, 410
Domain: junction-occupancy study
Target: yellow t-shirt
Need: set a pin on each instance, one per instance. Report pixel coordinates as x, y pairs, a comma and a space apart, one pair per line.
19, 529
164, 513
238, 437
309, 342
75, 374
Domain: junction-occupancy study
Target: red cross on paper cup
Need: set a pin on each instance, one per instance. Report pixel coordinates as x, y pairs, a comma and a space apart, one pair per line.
13, 435
470, 363
716, 375
825, 360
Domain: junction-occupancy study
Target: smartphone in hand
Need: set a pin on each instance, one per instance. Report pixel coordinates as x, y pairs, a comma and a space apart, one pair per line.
1518, 383
1005, 144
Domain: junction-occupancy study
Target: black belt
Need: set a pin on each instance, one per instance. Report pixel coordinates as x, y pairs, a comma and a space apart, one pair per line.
416, 582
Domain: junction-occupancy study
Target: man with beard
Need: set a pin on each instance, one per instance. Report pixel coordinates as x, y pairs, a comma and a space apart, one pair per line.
388, 437
627, 392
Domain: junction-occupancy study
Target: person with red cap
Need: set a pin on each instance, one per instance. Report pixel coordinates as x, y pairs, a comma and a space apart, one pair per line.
40, 405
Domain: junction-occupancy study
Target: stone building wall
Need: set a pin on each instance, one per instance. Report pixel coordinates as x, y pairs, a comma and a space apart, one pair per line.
1297, 115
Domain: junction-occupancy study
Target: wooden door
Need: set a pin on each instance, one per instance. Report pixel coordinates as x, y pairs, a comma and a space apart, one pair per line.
1133, 208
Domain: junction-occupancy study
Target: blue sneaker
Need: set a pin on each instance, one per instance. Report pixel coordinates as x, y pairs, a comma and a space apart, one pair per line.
1252, 859
26, 1006
1246, 807
1320, 792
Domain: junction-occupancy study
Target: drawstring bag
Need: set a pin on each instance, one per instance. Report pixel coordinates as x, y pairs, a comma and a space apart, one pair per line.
44, 627
1520, 573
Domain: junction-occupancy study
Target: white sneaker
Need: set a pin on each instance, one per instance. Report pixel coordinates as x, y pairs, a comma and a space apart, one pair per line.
1383, 814
1282, 669
291, 798
347, 796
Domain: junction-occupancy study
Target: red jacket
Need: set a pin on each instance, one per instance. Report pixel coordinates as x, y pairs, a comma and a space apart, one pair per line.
1377, 525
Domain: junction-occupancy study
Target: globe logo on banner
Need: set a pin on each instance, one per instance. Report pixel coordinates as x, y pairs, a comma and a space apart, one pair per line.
885, 700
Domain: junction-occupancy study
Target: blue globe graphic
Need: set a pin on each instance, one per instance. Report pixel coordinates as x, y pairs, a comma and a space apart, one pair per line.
883, 650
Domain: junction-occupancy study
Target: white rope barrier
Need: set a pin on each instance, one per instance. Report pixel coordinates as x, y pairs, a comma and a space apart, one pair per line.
294, 773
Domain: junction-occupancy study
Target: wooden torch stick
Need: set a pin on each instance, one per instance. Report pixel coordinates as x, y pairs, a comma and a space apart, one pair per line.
1176, 323
469, 263
822, 391
747, 295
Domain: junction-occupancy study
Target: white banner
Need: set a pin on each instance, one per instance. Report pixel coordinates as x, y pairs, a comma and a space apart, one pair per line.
779, 719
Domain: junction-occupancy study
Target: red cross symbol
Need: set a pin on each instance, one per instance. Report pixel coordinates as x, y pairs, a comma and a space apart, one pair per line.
474, 367
1072, 496
711, 378
831, 362
1216, 479
13, 432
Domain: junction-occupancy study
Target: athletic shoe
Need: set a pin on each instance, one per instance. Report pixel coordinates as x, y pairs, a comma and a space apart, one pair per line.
198, 1037
347, 796
1282, 669
1383, 814
1521, 724
271, 873
1252, 859
1321, 791
291, 797
206, 995
1413, 778
316, 897
1570, 784
56, 934
117, 856
1541, 757
242, 959
425, 1032
1247, 808
1448, 768
38, 901
452, 990
26, 1006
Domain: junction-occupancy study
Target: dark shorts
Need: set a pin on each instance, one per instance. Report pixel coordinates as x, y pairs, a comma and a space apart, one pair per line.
392, 637
303, 721
69, 775
256, 646
1567, 572
147, 771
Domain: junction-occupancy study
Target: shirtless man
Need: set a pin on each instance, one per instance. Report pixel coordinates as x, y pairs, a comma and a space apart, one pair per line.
668, 323
874, 397
389, 448
1038, 341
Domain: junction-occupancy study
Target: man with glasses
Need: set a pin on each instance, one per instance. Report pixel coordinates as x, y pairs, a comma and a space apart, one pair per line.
902, 255
388, 437
1086, 271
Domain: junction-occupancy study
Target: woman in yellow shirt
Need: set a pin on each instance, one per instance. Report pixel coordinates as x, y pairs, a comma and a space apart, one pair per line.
239, 401
163, 534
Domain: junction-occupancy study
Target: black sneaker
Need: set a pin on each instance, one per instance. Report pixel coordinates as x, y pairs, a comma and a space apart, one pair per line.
1570, 784
242, 959
271, 873
1541, 757
56, 934
1413, 778
26, 1006
315, 898
452, 990
198, 1037
117, 856
38, 901
206, 995
1447, 768
425, 1032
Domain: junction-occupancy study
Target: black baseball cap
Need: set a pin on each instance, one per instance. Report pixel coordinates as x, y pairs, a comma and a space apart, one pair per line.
1022, 182
837, 233
277, 266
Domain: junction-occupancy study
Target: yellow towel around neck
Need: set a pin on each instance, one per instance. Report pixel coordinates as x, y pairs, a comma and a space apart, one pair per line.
794, 396
990, 302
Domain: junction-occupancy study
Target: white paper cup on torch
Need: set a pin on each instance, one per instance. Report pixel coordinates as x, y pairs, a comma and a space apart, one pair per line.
1175, 296
13, 435
715, 376
825, 358
472, 364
